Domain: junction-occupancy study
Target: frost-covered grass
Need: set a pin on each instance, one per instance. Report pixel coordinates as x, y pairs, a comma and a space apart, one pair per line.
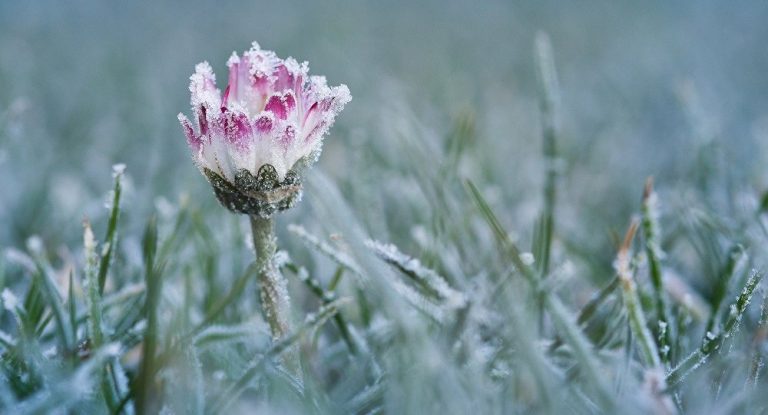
479, 235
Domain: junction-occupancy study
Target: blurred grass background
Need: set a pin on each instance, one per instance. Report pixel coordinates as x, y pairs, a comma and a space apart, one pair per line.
89, 84
443, 91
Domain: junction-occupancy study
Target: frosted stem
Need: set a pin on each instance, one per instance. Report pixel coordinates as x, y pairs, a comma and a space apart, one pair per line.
273, 286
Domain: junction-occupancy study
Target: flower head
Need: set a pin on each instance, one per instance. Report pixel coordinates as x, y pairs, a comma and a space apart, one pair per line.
251, 141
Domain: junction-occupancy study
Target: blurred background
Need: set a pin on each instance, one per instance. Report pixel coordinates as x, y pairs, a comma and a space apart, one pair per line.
87, 84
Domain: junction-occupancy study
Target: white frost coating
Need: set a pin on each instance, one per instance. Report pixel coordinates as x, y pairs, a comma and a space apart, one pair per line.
271, 112
280, 259
419, 301
118, 169
527, 258
413, 267
340, 257
710, 336
20, 258
10, 302
49, 352
35, 244
109, 201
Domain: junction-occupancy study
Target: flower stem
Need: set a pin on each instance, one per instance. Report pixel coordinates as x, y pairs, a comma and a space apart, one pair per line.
273, 286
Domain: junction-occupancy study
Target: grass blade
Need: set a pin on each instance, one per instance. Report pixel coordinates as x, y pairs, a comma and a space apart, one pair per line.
312, 322
712, 342
143, 386
548, 104
110, 241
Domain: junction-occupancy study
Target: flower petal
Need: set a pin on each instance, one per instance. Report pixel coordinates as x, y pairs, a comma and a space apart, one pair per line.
193, 140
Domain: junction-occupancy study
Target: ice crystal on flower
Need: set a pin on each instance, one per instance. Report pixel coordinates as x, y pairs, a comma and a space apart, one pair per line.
271, 112
271, 118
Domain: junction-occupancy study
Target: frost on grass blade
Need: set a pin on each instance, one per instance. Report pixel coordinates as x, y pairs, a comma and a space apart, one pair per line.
638, 322
433, 283
110, 241
712, 342
340, 257
312, 322
216, 334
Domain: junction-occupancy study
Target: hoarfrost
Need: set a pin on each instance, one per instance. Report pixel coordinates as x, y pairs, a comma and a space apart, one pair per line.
414, 269
118, 170
109, 201
10, 301
35, 245
527, 258
20, 258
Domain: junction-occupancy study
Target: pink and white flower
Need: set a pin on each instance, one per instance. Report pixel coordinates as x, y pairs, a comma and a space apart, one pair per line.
271, 113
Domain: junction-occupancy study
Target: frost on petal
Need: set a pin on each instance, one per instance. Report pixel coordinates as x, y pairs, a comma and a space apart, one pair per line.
235, 128
202, 119
225, 98
202, 86
289, 101
238, 83
322, 113
262, 63
271, 112
284, 77
193, 140
264, 122
287, 136
276, 105
289, 75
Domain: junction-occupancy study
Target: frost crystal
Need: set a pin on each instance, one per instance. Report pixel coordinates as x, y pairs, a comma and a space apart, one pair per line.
118, 170
271, 114
527, 258
9, 300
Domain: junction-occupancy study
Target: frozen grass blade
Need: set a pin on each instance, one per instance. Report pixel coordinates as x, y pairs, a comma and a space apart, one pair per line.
65, 393
506, 245
712, 342
650, 212
733, 263
548, 104
72, 305
590, 308
238, 288
95, 320
93, 297
560, 315
144, 383
422, 303
52, 296
326, 297
430, 281
637, 319
336, 255
217, 333
110, 241
126, 294
288, 342
758, 341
